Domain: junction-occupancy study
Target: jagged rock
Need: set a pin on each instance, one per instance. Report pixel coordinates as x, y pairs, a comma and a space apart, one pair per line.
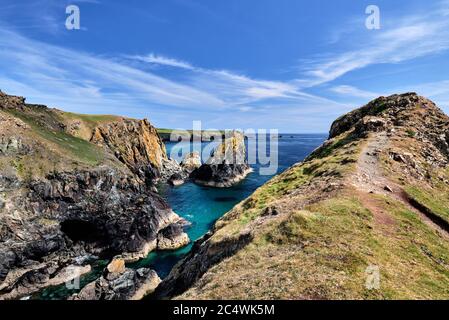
72, 198
170, 168
176, 179
172, 237
370, 124
227, 166
392, 104
38, 276
116, 266
136, 143
191, 162
124, 284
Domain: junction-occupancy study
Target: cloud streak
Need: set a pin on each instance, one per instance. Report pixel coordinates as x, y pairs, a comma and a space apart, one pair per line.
161, 60
401, 40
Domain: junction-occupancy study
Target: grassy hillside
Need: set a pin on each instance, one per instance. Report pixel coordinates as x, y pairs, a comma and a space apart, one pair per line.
54, 140
320, 229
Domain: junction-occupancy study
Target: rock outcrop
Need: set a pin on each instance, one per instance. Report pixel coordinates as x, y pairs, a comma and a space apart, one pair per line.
227, 166
65, 201
136, 143
120, 283
191, 162
172, 237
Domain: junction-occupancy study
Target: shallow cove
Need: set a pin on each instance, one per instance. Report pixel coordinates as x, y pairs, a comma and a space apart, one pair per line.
202, 206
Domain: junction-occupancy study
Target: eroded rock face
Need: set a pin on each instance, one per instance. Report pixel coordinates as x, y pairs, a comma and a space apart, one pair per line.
75, 209
172, 237
120, 283
227, 166
171, 168
136, 143
176, 179
97, 212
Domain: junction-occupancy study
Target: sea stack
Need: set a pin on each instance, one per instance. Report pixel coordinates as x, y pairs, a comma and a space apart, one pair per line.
227, 165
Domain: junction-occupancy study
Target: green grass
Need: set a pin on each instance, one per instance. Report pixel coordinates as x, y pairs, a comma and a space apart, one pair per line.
322, 250
437, 202
334, 160
411, 133
91, 119
76, 147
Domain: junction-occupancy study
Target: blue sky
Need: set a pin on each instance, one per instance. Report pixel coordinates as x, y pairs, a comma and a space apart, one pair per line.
286, 64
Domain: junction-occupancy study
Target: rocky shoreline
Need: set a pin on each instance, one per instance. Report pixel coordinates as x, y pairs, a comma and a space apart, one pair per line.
225, 183
74, 189
69, 197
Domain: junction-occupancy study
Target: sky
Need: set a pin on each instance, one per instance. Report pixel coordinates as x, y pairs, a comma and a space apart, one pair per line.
290, 65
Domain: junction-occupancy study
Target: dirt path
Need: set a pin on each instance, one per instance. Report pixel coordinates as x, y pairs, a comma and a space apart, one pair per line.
369, 178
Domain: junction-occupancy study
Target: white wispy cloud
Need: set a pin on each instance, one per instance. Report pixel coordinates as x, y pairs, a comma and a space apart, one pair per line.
400, 40
351, 91
234, 88
161, 60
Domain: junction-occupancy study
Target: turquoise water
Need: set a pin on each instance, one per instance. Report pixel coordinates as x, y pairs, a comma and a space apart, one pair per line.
202, 206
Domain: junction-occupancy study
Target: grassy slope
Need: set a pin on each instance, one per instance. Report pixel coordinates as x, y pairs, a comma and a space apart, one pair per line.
85, 123
77, 148
52, 148
322, 248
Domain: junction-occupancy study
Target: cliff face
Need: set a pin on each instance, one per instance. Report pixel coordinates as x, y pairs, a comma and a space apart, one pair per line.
365, 216
135, 143
65, 201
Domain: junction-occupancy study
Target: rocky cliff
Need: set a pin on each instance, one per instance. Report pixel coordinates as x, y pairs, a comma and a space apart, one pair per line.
68, 197
135, 143
227, 165
365, 216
